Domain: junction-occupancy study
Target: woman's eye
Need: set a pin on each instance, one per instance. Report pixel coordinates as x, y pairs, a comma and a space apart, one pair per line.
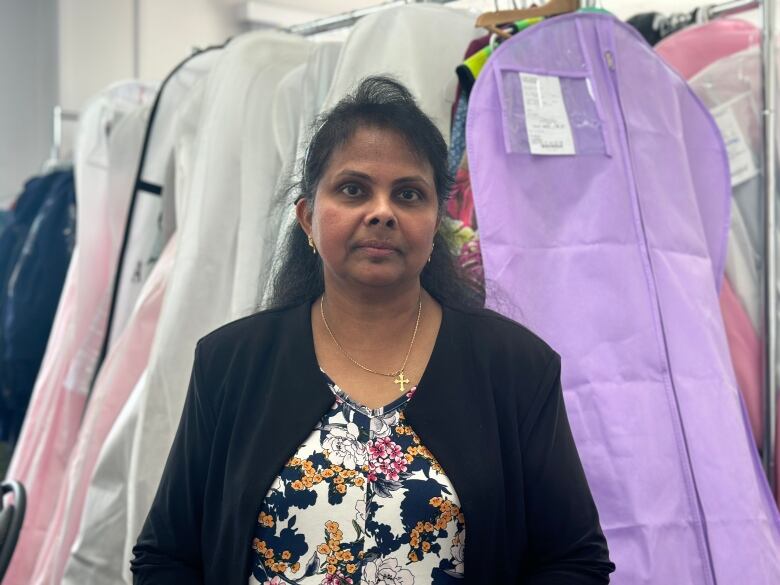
410, 195
351, 190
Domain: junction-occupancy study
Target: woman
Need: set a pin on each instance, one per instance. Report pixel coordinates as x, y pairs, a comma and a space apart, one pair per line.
377, 425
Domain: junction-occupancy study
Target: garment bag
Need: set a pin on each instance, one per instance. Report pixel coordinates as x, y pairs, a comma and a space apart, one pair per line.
297, 101
146, 232
100, 531
732, 89
200, 287
603, 211
312, 83
690, 51
106, 156
128, 357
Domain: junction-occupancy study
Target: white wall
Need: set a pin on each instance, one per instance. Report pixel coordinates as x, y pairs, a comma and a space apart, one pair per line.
170, 29
28, 75
95, 47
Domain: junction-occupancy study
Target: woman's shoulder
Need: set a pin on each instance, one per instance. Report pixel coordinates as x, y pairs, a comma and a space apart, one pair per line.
253, 333
494, 328
502, 342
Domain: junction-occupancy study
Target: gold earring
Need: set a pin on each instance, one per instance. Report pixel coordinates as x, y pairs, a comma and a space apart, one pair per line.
311, 245
431, 256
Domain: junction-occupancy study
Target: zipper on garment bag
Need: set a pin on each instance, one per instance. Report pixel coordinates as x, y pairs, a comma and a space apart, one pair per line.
609, 59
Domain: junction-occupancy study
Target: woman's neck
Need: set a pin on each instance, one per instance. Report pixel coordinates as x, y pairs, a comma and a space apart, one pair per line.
361, 318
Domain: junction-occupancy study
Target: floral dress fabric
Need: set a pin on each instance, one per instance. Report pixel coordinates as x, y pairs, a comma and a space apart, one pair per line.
361, 502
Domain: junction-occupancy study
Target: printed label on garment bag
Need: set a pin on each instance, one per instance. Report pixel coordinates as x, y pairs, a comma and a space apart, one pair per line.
546, 120
741, 162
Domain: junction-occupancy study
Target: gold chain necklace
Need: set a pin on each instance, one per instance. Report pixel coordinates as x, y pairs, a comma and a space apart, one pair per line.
399, 375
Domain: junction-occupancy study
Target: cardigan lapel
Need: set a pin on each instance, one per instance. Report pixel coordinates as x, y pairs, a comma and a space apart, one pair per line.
291, 401
454, 415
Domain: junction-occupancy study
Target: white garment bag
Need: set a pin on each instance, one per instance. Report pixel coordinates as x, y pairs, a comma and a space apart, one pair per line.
97, 553
200, 289
297, 102
147, 233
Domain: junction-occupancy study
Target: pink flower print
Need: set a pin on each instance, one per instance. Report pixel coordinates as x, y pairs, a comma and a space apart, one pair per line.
275, 581
337, 579
385, 458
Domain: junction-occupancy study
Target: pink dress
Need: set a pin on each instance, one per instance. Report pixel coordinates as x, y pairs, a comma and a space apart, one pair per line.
119, 374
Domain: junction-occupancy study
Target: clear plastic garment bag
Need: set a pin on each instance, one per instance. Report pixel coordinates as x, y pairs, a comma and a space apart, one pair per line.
106, 157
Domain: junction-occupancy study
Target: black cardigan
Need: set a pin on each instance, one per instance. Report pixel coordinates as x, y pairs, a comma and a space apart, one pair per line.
489, 407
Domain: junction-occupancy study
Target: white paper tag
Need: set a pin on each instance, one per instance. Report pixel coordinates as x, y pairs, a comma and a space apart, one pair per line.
741, 162
546, 120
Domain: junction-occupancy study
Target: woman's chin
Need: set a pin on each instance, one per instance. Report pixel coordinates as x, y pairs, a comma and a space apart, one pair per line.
380, 277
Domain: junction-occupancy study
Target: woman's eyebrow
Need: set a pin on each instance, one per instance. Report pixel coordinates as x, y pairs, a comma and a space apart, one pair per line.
412, 179
348, 173
353, 174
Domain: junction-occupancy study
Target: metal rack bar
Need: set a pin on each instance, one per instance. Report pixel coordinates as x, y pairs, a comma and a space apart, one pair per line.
769, 73
731, 8
349, 18
58, 115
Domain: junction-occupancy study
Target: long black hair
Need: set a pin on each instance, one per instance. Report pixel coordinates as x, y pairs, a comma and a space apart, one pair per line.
377, 102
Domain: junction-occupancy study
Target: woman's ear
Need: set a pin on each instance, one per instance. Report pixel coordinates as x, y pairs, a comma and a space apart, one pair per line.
303, 214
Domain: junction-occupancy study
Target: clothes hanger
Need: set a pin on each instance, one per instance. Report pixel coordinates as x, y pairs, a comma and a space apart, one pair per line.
492, 20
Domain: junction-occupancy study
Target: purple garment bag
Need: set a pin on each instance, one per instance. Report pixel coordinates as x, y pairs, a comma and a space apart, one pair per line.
614, 255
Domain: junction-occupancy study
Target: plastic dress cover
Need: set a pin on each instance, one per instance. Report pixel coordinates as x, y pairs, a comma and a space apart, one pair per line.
312, 83
297, 102
732, 89
146, 232
126, 361
689, 51
614, 256
95, 556
120, 372
200, 286
107, 149
692, 49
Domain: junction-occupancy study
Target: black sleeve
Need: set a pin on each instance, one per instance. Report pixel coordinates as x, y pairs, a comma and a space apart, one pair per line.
566, 544
169, 546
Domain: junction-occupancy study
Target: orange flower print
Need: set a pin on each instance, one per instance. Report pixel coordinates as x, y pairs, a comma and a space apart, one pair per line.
265, 520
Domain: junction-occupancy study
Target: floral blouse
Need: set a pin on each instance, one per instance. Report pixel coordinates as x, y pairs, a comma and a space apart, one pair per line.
361, 502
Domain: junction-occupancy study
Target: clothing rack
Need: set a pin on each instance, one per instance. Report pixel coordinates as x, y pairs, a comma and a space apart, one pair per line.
58, 115
769, 73
730, 8
346, 19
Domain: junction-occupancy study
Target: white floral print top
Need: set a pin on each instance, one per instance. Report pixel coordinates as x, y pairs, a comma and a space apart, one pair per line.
361, 502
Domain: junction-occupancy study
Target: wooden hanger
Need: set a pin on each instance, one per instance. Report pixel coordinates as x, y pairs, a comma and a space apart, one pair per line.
491, 20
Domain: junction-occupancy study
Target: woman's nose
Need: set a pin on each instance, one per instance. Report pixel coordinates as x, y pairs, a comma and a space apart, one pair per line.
381, 212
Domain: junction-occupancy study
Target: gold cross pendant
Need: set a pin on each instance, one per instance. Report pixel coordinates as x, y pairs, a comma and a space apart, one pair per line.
401, 380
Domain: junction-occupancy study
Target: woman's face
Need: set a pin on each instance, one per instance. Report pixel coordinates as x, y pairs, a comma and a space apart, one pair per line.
375, 211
